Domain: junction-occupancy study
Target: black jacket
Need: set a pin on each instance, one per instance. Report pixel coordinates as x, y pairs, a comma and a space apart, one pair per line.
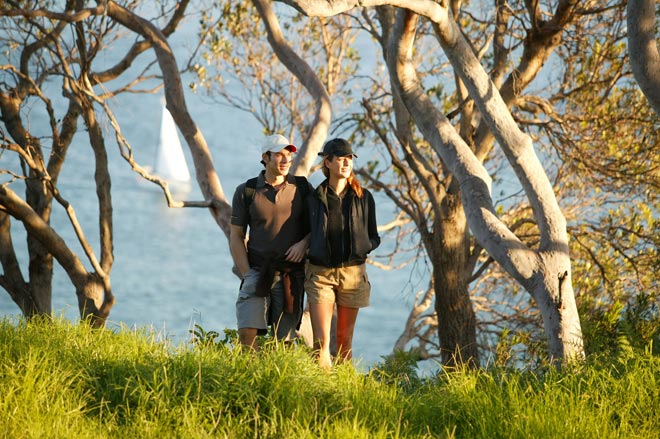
363, 228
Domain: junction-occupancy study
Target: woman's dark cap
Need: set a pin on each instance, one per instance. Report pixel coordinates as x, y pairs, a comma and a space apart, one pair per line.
338, 148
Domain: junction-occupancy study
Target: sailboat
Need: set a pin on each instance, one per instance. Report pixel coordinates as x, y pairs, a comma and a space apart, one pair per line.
170, 161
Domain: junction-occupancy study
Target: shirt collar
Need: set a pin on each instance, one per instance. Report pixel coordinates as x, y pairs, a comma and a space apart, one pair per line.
261, 179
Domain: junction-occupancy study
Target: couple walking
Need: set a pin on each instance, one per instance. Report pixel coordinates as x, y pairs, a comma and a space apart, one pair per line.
334, 226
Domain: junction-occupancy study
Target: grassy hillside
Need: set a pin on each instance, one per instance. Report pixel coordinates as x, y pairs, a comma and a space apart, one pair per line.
63, 380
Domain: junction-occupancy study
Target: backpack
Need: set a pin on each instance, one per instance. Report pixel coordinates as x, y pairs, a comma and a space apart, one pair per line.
251, 189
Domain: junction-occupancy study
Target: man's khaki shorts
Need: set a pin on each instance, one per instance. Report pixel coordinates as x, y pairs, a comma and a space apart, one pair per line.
253, 311
346, 286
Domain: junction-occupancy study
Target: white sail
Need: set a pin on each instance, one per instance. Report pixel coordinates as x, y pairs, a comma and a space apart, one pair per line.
170, 161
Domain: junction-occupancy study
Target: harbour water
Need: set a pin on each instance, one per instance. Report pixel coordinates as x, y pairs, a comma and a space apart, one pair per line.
172, 266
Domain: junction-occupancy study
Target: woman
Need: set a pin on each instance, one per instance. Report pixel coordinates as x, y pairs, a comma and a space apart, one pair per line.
343, 231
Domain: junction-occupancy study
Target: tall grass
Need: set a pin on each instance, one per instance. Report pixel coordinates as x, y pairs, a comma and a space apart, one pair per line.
65, 380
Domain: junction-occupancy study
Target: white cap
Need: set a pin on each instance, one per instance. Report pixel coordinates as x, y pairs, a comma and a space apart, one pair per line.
277, 143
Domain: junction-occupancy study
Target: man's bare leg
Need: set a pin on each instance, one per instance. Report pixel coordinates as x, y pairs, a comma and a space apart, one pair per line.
248, 338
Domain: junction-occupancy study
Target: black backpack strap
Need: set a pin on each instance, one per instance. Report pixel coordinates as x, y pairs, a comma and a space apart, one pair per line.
249, 191
302, 185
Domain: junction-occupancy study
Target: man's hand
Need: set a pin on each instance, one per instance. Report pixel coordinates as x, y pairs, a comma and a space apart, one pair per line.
296, 253
238, 250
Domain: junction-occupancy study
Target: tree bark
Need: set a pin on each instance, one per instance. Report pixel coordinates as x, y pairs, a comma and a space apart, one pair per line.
100, 300
12, 279
90, 298
93, 289
37, 298
524, 264
451, 273
643, 48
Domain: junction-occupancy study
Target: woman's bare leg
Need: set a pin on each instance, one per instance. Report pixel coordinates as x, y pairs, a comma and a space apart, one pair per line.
321, 316
346, 318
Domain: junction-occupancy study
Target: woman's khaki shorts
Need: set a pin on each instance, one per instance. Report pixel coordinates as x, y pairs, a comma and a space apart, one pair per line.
346, 286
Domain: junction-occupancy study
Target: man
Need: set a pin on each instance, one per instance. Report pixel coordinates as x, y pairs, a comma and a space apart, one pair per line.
271, 262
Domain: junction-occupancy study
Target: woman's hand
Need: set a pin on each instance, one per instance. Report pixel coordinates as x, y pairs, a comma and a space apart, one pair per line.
296, 253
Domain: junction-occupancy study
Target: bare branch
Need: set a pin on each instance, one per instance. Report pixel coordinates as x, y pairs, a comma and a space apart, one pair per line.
296, 65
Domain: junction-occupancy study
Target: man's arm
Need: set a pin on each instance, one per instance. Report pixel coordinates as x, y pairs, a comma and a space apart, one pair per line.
238, 249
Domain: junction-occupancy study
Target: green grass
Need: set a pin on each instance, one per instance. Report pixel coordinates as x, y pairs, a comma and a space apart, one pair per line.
66, 380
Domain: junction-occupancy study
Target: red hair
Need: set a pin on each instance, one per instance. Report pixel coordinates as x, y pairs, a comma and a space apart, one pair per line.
352, 179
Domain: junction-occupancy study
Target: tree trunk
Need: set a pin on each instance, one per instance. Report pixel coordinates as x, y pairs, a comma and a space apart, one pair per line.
554, 295
456, 318
92, 301
318, 131
41, 260
41, 279
207, 177
12, 279
34, 297
644, 56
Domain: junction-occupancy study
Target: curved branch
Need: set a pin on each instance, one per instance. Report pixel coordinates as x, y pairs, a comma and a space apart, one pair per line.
38, 228
70, 17
517, 145
327, 8
138, 48
423, 303
305, 74
126, 151
489, 230
207, 177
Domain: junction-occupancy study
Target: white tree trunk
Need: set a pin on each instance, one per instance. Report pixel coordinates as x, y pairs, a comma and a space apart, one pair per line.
538, 271
553, 294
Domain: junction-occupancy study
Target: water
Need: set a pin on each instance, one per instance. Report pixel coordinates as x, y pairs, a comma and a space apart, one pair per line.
172, 266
